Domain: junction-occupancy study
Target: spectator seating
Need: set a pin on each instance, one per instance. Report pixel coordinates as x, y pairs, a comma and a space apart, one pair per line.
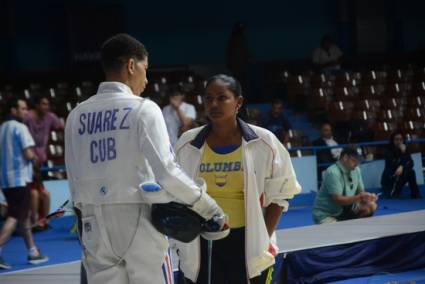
385, 99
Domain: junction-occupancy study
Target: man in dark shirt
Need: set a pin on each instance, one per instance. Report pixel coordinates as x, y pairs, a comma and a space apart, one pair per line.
275, 120
326, 156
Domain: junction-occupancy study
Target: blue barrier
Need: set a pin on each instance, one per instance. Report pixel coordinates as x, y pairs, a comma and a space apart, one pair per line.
358, 145
300, 148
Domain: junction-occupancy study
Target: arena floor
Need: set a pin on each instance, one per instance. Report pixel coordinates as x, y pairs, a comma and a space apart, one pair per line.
63, 249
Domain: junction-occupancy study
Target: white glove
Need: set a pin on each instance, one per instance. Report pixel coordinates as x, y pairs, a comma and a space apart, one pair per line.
206, 206
216, 228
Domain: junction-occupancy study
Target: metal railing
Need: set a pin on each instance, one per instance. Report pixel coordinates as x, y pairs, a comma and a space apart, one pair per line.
385, 143
314, 149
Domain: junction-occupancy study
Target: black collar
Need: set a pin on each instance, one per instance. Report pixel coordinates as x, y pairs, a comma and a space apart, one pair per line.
248, 133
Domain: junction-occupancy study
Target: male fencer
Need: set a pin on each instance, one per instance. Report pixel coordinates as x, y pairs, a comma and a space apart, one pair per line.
114, 142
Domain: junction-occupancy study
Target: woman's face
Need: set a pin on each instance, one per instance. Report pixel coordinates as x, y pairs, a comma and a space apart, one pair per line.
398, 140
221, 104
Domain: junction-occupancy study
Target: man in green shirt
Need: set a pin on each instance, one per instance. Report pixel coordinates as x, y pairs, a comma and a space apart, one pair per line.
342, 195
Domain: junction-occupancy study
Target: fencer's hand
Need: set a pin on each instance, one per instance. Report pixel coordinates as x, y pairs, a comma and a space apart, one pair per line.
206, 207
215, 228
216, 223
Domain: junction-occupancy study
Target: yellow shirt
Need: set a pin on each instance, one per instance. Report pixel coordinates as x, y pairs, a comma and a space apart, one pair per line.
224, 176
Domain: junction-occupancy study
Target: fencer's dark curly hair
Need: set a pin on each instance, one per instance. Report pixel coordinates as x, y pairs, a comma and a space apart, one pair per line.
118, 49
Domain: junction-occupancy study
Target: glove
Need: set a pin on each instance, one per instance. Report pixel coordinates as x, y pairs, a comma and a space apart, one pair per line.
215, 228
206, 206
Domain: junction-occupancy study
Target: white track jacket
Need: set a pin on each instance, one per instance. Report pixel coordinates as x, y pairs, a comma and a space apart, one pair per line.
269, 178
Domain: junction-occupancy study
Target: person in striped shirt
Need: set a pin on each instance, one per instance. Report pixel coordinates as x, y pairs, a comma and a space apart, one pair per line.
16, 157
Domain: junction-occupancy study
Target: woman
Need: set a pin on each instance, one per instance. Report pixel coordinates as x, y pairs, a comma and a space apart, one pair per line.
250, 175
398, 168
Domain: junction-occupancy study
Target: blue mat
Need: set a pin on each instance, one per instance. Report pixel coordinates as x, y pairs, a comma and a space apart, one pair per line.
57, 243
418, 276
62, 247
299, 216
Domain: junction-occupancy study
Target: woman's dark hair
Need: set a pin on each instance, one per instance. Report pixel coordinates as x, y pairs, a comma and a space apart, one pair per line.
118, 49
393, 135
232, 83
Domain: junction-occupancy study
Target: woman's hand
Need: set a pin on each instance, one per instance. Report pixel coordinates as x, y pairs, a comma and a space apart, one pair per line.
398, 171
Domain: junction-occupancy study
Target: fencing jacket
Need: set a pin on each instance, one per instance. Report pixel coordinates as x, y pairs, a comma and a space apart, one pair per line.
114, 141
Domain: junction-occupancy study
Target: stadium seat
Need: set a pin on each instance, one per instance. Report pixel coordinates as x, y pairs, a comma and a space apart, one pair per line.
383, 130
373, 77
392, 103
418, 89
340, 111
347, 79
320, 98
371, 91
366, 115
386, 115
321, 81
346, 93
367, 105
415, 102
415, 114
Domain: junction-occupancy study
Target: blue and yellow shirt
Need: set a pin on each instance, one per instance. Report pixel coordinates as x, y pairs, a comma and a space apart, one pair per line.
222, 171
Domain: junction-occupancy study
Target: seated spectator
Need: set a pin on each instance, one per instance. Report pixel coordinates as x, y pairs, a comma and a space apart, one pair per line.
41, 121
275, 120
326, 156
398, 168
327, 57
342, 195
179, 116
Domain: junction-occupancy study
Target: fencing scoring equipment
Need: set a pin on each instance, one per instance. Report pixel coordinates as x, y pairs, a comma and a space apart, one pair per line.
115, 141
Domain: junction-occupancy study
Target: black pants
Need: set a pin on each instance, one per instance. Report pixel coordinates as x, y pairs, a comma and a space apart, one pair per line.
228, 262
83, 273
18, 201
408, 176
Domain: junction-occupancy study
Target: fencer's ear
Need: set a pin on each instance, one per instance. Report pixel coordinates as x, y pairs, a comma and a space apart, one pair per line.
131, 66
240, 101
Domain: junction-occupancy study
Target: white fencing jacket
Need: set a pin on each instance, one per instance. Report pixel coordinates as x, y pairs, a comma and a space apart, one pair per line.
114, 141
268, 178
